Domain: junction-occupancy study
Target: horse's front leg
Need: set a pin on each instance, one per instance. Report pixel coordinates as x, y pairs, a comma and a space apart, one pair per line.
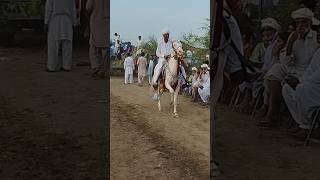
171, 98
168, 86
175, 101
159, 105
159, 97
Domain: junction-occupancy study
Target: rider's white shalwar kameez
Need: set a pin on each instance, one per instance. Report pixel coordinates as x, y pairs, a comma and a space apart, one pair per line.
60, 16
303, 101
128, 66
205, 91
163, 50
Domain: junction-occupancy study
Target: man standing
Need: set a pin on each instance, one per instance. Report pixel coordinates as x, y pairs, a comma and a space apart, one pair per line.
139, 43
150, 69
189, 58
60, 17
98, 36
128, 66
116, 38
142, 68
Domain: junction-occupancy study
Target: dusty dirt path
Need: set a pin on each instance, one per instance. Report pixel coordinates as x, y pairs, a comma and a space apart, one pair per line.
147, 144
246, 151
50, 120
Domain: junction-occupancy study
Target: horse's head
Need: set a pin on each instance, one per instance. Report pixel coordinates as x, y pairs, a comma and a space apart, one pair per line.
178, 51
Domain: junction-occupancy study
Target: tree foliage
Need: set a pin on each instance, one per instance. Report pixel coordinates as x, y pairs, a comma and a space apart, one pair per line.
151, 45
201, 43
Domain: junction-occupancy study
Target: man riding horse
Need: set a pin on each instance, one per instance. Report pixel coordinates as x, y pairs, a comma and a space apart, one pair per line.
164, 51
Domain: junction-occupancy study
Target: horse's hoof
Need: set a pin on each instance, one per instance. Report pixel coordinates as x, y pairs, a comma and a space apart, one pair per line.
175, 115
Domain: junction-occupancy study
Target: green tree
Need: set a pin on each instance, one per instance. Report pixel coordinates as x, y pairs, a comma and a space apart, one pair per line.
282, 12
151, 45
201, 43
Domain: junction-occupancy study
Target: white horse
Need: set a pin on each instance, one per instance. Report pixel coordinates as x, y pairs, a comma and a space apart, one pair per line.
172, 82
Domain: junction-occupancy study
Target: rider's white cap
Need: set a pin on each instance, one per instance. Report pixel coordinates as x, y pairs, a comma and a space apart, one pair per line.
194, 69
165, 31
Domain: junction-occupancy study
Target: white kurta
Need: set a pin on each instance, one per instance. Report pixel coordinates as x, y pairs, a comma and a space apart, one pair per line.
303, 50
205, 77
303, 101
60, 16
128, 66
205, 91
194, 80
163, 50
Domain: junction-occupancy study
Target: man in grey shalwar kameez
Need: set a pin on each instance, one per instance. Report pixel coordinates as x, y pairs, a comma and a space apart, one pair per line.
98, 36
60, 17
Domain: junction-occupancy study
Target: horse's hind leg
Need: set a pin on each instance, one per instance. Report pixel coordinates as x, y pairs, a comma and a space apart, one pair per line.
159, 105
175, 102
171, 98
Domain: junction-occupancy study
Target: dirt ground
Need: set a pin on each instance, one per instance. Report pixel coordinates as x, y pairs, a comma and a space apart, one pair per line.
53, 125
246, 151
147, 144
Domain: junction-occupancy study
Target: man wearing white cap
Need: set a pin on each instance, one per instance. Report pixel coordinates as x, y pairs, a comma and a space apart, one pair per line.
269, 30
204, 85
305, 98
262, 57
139, 43
301, 46
163, 52
116, 39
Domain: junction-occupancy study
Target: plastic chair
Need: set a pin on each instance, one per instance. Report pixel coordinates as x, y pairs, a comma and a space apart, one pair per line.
314, 123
